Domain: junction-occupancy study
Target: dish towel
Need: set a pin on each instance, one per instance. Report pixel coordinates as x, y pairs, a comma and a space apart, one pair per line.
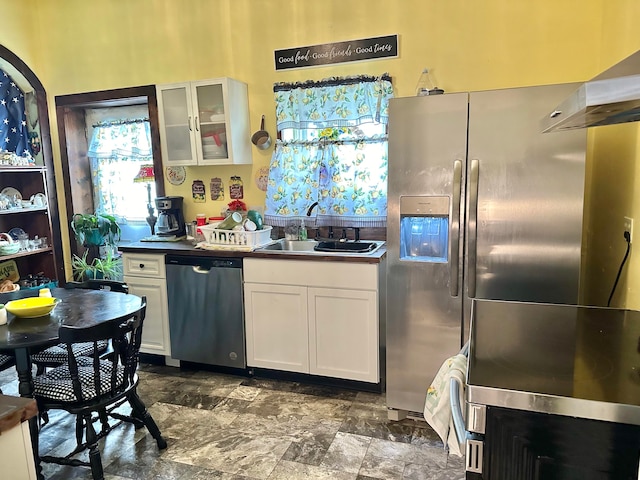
437, 407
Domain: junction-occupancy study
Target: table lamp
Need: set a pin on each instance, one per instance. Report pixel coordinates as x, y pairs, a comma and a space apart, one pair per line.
145, 175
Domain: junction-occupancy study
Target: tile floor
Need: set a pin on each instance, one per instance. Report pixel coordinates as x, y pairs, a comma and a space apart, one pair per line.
233, 428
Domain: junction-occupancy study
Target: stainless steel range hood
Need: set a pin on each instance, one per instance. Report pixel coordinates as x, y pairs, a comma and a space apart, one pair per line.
611, 97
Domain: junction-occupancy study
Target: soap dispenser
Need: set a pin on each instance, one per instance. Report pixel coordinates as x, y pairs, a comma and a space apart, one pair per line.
302, 233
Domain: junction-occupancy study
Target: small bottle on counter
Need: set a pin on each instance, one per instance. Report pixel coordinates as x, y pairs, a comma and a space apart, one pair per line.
302, 233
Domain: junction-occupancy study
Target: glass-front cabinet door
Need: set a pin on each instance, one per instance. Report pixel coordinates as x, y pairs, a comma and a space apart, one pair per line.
204, 122
211, 127
177, 120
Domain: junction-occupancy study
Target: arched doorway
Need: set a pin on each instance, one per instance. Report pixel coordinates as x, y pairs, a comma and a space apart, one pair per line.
46, 262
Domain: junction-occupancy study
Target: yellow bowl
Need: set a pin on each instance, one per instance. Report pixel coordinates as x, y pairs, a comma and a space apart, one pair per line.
32, 307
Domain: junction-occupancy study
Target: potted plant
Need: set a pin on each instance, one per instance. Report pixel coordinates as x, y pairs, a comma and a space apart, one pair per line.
108, 268
95, 230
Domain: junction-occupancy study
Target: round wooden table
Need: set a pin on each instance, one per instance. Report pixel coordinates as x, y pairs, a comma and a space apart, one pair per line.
78, 307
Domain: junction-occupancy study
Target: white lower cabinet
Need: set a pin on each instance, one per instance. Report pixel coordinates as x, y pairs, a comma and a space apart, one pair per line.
277, 327
343, 333
144, 274
16, 454
306, 317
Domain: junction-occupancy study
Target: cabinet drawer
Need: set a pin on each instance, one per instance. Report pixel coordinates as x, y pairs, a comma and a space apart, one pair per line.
359, 276
143, 265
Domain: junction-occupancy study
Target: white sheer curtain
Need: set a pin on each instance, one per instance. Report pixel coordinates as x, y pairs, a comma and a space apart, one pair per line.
116, 152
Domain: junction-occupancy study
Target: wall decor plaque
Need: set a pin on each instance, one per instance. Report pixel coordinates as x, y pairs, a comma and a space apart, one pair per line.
176, 175
339, 52
236, 188
217, 189
198, 191
262, 178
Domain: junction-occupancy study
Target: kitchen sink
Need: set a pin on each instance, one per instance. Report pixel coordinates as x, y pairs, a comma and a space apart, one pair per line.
291, 245
321, 247
350, 247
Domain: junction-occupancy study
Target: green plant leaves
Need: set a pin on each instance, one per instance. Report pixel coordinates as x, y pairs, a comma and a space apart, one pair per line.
90, 229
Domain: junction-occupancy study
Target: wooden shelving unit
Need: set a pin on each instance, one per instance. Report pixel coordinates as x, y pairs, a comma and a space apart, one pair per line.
35, 221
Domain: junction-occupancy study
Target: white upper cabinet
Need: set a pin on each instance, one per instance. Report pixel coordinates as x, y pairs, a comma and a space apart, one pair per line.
205, 122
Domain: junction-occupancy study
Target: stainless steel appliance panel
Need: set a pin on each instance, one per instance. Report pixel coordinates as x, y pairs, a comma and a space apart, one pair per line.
427, 150
569, 360
206, 313
526, 242
510, 199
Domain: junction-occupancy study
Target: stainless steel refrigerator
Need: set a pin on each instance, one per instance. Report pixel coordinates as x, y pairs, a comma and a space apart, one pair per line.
481, 204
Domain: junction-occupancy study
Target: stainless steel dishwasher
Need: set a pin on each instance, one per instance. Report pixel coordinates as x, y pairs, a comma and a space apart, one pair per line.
206, 313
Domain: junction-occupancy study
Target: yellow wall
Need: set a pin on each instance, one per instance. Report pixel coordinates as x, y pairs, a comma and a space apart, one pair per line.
83, 46
17, 34
613, 179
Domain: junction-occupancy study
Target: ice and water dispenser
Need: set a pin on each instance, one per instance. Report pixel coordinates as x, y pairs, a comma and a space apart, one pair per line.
424, 228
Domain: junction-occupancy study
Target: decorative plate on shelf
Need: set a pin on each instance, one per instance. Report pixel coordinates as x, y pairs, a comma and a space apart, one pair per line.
11, 193
176, 175
16, 232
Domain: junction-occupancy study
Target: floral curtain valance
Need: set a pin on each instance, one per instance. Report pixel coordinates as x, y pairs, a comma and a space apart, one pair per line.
130, 138
333, 102
335, 153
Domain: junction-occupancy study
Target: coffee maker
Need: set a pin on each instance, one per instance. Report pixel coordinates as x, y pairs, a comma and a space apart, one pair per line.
170, 217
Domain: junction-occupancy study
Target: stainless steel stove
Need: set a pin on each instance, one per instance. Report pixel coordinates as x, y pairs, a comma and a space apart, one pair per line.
538, 371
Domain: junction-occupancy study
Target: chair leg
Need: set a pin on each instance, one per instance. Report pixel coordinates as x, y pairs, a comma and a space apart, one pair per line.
44, 418
104, 419
94, 453
141, 412
79, 431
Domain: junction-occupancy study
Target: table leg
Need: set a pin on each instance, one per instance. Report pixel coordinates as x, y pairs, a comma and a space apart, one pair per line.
25, 388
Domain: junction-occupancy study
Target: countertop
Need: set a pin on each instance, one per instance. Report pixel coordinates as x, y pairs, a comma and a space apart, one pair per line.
569, 360
185, 247
15, 410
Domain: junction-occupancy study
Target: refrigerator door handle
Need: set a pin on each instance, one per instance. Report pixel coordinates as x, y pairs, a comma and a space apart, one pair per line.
473, 226
454, 270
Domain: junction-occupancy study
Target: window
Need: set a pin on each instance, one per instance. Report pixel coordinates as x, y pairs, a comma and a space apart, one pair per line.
332, 150
117, 152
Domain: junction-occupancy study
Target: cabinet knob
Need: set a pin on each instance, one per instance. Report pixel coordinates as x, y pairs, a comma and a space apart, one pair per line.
141, 265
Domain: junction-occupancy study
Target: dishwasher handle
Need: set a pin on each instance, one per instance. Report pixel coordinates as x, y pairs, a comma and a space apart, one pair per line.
200, 269
203, 263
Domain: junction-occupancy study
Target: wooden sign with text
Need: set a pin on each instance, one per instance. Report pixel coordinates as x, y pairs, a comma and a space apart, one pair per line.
338, 52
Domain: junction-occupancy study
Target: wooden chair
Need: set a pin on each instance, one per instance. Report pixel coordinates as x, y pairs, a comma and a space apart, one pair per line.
88, 385
6, 362
57, 355
100, 284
